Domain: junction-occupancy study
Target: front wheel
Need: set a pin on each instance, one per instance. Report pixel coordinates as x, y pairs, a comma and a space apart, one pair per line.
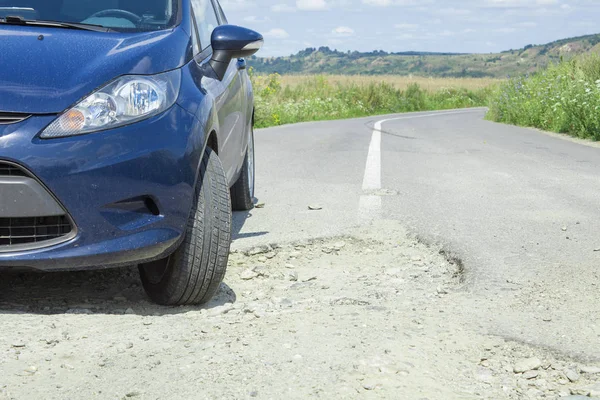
242, 191
193, 273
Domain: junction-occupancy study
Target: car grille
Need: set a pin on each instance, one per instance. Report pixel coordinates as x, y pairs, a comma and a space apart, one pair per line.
27, 233
11, 170
12, 118
22, 231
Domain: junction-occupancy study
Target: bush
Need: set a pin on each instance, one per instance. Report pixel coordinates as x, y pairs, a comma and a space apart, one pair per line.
564, 98
317, 99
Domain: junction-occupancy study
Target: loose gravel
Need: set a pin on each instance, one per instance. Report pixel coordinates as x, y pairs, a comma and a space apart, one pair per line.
373, 314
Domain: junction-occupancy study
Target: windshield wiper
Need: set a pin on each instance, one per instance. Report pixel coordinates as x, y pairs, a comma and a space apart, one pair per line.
15, 20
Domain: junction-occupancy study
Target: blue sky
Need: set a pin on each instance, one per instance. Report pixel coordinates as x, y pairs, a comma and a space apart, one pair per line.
473, 26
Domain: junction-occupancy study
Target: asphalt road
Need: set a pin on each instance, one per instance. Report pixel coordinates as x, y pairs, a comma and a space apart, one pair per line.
520, 208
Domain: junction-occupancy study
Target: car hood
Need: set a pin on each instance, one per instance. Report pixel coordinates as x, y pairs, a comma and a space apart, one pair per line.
46, 70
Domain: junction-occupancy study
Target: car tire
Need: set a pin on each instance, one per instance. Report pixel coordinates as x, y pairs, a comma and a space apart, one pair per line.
242, 191
193, 273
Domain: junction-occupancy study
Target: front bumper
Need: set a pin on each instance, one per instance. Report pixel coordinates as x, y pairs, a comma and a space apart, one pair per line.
128, 191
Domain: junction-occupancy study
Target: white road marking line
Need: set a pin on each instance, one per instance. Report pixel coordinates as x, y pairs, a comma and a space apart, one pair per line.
372, 178
369, 206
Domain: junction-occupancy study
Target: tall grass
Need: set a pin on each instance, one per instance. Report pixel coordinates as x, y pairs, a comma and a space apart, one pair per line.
429, 84
564, 98
317, 98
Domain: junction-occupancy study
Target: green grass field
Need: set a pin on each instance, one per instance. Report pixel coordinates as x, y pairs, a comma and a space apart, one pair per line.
289, 99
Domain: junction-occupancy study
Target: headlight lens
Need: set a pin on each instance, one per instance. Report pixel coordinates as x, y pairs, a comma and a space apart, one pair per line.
124, 101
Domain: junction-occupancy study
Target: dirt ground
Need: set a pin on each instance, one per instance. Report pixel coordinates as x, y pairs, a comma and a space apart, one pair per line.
374, 314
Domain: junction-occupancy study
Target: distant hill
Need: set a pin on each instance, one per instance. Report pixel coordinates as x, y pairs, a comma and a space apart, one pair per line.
512, 62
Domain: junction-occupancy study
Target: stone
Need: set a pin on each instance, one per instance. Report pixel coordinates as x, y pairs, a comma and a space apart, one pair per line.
270, 255
248, 274
292, 276
590, 390
339, 245
586, 369
527, 364
129, 311
532, 374
262, 259
259, 205
31, 370
572, 375
259, 250
315, 207
369, 385
346, 301
564, 228
546, 365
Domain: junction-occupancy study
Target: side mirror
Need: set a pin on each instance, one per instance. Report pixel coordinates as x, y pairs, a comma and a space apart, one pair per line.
231, 41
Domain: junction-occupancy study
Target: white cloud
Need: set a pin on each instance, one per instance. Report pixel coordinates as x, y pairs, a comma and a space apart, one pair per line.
454, 11
378, 3
255, 19
277, 33
527, 24
229, 5
343, 31
311, 5
519, 3
279, 8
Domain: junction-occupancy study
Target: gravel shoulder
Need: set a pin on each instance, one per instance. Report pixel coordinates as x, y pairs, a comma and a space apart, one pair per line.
370, 314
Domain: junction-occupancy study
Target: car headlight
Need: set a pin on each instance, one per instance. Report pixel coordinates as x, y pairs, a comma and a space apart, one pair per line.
128, 99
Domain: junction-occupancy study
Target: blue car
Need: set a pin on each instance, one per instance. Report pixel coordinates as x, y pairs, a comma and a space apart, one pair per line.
126, 138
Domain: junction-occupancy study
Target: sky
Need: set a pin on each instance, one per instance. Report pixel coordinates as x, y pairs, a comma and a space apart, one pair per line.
463, 26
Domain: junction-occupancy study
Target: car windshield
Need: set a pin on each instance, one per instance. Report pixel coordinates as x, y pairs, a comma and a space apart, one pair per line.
119, 15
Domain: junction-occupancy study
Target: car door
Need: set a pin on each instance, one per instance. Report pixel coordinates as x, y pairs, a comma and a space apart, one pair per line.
228, 94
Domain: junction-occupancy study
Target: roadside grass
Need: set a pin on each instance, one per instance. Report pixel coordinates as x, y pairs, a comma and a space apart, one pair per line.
285, 100
401, 82
564, 98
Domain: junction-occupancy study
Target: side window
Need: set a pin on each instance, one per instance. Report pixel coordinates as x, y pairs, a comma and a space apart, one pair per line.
195, 40
206, 20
